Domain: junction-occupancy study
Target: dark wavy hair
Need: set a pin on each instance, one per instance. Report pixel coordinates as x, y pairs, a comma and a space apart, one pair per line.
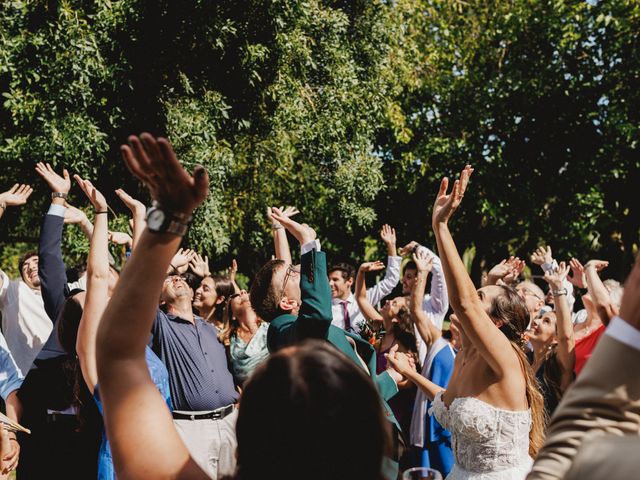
309, 412
347, 271
23, 258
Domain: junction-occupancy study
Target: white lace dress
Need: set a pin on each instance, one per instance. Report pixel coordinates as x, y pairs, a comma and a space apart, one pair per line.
488, 443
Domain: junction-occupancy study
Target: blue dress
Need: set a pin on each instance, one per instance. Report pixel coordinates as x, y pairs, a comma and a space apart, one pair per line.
437, 452
160, 377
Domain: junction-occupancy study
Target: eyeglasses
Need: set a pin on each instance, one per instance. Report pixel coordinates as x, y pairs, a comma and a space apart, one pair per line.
292, 271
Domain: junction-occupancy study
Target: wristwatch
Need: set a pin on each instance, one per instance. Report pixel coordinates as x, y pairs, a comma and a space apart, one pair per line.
557, 293
58, 195
161, 220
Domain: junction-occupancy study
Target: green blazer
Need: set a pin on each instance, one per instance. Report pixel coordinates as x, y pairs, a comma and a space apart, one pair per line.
314, 321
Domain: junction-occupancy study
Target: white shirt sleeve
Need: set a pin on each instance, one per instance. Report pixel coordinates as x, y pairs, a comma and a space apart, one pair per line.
312, 245
624, 333
57, 210
4, 287
438, 300
566, 284
388, 283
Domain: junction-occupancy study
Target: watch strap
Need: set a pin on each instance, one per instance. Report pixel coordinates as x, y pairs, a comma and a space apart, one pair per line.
59, 195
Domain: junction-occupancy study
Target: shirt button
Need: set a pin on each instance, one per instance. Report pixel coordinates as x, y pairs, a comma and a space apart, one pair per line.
216, 391
212, 371
205, 353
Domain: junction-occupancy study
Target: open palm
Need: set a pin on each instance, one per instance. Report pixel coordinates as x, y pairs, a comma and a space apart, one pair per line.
446, 204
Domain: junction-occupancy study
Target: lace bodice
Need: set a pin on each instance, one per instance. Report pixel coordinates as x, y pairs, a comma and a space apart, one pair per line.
487, 442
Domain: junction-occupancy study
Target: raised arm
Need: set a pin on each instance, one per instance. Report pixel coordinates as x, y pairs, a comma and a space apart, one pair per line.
603, 401
280, 241
233, 270
504, 273
97, 286
51, 268
566, 344
135, 412
599, 293
478, 327
138, 214
392, 274
314, 315
367, 309
73, 215
438, 296
15, 196
427, 330
543, 257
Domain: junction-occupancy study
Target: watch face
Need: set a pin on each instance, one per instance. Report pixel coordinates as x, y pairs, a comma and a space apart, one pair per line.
155, 219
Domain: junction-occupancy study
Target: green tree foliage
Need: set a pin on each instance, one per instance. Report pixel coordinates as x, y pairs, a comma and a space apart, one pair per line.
352, 111
279, 100
541, 97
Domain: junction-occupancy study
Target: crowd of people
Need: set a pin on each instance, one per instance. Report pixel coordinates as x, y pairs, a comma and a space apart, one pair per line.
161, 369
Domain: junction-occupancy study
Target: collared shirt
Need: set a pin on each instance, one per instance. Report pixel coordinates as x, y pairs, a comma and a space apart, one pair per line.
374, 295
25, 324
10, 376
199, 378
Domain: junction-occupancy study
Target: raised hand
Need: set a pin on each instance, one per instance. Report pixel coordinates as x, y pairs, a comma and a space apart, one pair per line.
577, 277
408, 248
154, 162
286, 211
136, 206
597, 264
423, 260
301, 231
446, 204
388, 236
507, 270
556, 277
16, 195
233, 270
120, 238
93, 194
180, 261
56, 182
516, 267
542, 255
372, 266
199, 265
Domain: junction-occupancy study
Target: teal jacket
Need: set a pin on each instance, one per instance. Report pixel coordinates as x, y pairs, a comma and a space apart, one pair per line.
314, 321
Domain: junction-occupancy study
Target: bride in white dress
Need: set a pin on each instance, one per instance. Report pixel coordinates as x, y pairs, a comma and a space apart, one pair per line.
492, 406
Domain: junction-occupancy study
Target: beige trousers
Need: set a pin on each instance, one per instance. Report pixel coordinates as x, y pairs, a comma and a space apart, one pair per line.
211, 443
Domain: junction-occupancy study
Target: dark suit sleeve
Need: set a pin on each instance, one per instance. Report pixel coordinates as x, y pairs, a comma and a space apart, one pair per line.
51, 268
314, 317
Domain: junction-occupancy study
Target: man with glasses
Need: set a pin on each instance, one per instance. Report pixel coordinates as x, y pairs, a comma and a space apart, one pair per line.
203, 394
297, 304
